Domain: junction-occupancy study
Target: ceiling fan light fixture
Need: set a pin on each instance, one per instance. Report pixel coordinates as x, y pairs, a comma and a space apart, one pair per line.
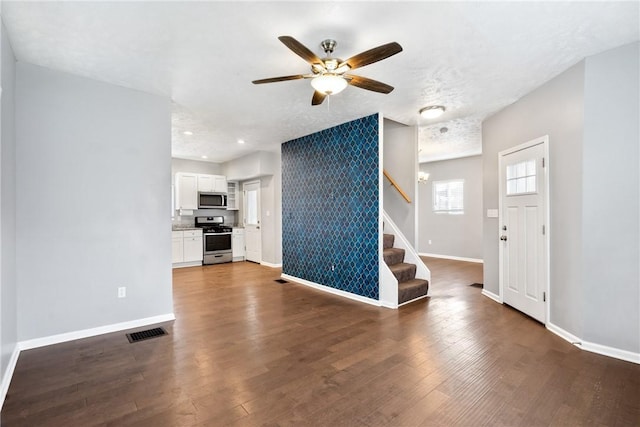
432, 111
329, 84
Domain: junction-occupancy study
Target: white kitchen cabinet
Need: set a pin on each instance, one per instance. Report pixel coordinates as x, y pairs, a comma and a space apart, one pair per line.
187, 191
186, 248
177, 246
206, 183
219, 184
233, 199
212, 183
193, 245
237, 244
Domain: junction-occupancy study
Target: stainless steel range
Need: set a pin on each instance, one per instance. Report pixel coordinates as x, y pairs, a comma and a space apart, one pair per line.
216, 238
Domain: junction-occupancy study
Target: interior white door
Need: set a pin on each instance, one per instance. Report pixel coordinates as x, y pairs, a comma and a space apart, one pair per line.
252, 232
523, 220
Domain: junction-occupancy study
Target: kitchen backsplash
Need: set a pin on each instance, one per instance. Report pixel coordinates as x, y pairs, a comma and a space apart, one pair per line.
230, 217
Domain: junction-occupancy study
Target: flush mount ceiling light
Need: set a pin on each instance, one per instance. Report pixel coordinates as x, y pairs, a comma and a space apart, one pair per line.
187, 132
204, 157
241, 141
432, 111
329, 84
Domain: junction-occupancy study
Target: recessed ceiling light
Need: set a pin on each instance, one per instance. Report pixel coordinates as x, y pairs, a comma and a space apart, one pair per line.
205, 157
188, 132
432, 111
241, 141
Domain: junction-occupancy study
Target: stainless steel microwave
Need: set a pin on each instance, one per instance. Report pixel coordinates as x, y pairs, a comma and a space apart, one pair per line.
212, 201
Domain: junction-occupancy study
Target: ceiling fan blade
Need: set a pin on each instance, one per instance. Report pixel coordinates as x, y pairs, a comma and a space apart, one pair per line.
373, 55
278, 79
369, 84
299, 49
318, 98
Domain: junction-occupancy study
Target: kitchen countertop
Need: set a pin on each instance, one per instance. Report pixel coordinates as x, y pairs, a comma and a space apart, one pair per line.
184, 228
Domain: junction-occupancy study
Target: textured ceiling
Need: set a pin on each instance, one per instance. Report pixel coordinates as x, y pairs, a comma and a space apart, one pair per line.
473, 57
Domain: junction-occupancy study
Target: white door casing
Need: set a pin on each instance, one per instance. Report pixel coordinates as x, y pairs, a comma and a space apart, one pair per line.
524, 227
252, 231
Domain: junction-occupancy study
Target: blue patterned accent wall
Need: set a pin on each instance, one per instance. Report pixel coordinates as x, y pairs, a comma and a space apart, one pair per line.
330, 207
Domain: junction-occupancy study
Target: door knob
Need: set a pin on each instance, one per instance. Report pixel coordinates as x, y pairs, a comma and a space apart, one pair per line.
503, 238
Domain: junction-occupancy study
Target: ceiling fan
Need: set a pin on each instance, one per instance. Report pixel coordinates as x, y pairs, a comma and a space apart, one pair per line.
329, 75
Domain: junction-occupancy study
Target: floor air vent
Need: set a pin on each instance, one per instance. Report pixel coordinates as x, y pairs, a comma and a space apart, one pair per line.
281, 281
146, 335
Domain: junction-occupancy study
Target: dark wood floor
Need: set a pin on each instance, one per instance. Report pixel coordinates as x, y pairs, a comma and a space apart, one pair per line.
247, 351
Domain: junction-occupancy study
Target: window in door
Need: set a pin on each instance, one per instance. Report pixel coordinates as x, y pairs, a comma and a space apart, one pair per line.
521, 178
252, 207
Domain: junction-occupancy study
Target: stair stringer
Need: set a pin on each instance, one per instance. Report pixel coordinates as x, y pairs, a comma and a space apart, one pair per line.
410, 255
388, 285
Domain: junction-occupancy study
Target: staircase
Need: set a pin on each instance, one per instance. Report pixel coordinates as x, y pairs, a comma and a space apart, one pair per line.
409, 288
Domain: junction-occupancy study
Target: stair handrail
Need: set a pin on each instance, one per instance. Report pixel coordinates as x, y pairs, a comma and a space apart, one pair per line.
395, 184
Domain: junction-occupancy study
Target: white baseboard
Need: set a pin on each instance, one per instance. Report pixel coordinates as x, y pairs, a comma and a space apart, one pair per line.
8, 374
603, 350
387, 304
85, 333
268, 264
567, 336
412, 300
331, 290
187, 264
455, 258
491, 295
617, 353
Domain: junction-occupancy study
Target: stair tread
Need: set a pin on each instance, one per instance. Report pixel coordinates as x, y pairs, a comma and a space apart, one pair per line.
387, 241
393, 256
412, 283
392, 250
412, 289
403, 271
401, 266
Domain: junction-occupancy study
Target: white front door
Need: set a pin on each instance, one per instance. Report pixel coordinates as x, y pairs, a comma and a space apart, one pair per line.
523, 228
252, 232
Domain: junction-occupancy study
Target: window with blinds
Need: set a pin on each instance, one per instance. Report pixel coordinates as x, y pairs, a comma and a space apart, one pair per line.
448, 196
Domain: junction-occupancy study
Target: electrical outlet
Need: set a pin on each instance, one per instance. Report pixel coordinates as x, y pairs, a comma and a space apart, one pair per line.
429, 241
122, 292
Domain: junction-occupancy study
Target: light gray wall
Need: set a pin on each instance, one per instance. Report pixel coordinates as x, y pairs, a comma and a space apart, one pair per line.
93, 168
194, 166
400, 159
554, 109
591, 114
452, 235
610, 229
254, 165
263, 166
8, 278
271, 215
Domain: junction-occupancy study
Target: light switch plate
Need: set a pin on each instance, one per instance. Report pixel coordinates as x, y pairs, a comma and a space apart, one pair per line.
492, 213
